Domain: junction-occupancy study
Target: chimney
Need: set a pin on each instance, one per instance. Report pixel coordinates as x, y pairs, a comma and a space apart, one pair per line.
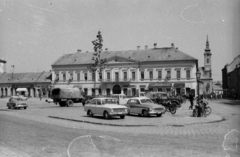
106, 49
155, 45
146, 47
177, 48
79, 51
172, 45
138, 47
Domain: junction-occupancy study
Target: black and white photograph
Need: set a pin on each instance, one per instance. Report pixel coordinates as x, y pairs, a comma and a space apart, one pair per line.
119, 78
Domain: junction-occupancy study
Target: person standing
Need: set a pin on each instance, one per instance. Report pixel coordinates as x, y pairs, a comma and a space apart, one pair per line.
40, 95
191, 98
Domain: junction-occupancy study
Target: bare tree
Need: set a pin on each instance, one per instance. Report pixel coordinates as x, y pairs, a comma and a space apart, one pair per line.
98, 62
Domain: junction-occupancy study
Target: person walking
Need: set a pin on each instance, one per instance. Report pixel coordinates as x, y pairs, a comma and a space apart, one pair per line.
191, 98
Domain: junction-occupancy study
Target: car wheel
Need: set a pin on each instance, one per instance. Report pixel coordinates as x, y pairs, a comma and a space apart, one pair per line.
208, 110
89, 113
69, 103
9, 107
25, 108
106, 115
122, 117
145, 113
159, 115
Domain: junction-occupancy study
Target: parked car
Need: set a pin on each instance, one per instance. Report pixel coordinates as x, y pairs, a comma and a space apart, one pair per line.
16, 104
107, 107
144, 106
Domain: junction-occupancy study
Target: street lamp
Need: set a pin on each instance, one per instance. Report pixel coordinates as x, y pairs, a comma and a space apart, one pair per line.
198, 74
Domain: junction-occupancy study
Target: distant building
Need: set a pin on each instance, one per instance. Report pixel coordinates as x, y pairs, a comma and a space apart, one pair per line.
129, 72
28, 84
206, 86
2, 66
231, 78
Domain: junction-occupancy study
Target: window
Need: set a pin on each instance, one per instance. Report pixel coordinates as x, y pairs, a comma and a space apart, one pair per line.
125, 75
93, 76
207, 60
159, 74
57, 77
188, 74
99, 92
142, 75
168, 74
108, 75
150, 74
133, 75
64, 77
86, 91
93, 92
71, 77
160, 89
85, 76
178, 75
78, 77
100, 76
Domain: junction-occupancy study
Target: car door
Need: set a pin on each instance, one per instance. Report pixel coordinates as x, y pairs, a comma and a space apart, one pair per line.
133, 105
138, 107
92, 106
99, 107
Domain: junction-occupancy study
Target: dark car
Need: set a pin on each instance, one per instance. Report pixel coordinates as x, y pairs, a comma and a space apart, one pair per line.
16, 104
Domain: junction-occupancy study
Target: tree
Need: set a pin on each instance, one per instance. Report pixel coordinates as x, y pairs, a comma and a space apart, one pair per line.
98, 62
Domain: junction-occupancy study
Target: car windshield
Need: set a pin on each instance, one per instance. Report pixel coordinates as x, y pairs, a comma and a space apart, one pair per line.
146, 101
109, 101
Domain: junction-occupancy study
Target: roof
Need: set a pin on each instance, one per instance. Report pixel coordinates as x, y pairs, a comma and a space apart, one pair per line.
157, 54
24, 77
233, 64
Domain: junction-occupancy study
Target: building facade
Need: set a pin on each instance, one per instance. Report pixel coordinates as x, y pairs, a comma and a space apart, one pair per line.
231, 79
206, 85
31, 84
128, 72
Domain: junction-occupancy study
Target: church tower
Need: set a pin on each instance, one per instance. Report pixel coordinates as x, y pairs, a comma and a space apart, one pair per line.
207, 61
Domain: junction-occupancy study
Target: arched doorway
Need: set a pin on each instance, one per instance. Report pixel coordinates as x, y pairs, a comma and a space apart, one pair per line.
116, 89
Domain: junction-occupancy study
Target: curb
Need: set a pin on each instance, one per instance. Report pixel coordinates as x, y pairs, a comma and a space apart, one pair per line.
83, 121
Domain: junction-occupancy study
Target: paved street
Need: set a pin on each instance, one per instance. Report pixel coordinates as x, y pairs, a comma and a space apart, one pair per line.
170, 135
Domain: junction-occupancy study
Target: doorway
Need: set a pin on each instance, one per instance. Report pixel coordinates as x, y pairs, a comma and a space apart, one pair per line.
116, 89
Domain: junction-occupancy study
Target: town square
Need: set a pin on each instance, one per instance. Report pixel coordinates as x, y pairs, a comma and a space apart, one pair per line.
119, 78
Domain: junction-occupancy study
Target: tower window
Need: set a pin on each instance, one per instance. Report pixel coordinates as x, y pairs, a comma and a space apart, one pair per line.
207, 60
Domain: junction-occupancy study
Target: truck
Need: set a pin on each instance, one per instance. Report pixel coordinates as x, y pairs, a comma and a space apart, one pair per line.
67, 96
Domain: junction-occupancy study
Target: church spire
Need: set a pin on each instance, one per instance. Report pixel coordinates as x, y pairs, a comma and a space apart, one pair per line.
207, 49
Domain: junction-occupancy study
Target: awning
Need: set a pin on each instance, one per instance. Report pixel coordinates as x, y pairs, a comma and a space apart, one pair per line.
21, 90
179, 85
160, 85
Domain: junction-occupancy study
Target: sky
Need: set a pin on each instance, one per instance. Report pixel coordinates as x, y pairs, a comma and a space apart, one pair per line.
35, 33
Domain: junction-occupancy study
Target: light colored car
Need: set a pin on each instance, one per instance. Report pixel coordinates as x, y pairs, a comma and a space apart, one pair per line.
107, 107
16, 104
144, 106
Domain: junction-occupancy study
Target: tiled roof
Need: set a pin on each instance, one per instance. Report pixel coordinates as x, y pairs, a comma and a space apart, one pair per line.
158, 54
24, 77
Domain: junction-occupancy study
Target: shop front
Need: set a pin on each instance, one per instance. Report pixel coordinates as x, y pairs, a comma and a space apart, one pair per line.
160, 87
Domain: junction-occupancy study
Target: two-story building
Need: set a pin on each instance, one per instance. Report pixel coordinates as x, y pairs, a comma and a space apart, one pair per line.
129, 72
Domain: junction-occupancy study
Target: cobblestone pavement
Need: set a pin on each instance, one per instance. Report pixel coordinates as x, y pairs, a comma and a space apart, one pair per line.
223, 120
